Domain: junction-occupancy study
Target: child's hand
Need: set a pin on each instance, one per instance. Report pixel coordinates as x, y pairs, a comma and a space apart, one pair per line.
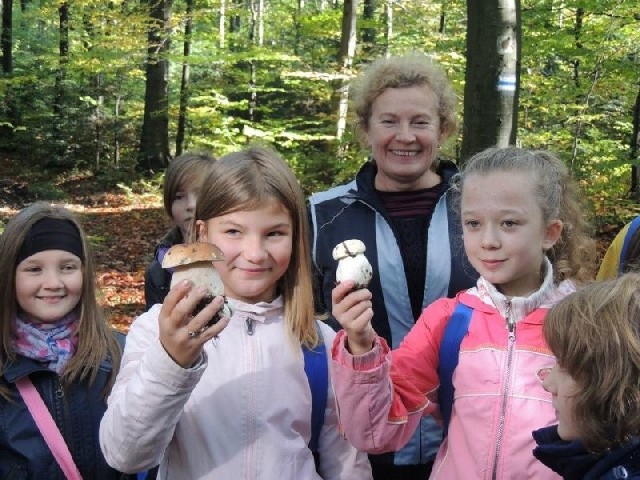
352, 309
182, 335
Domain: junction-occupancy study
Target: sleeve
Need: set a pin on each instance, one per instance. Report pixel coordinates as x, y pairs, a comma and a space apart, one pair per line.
321, 292
382, 395
611, 261
146, 401
339, 460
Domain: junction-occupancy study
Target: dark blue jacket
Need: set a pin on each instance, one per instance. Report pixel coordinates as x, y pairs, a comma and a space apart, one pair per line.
573, 462
77, 412
355, 210
157, 280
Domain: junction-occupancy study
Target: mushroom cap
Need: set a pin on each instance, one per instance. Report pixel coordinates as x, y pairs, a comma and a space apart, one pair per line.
348, 248
186, 253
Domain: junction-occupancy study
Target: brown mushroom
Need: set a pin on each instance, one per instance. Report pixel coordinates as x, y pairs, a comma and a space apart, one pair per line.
194, 262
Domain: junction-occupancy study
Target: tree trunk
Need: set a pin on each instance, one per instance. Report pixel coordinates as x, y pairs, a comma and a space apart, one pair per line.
296, 26
577, 32
154, 140
388, 18
492, 77
635, 144
256, 36
348, 36
345, 59
184, 82
234, 21
369, 32
59, 95
7, 37
9, 105
222, 25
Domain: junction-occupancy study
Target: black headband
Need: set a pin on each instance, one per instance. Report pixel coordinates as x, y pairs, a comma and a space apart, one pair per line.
51, 234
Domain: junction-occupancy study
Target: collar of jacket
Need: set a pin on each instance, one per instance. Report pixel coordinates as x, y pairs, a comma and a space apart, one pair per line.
22, 366
256, 311
572, 461
365, 181
365, 178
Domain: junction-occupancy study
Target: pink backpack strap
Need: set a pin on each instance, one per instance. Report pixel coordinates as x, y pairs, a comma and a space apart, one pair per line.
48, 428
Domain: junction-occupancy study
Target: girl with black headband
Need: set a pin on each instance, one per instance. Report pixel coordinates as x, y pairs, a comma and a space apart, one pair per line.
53, 337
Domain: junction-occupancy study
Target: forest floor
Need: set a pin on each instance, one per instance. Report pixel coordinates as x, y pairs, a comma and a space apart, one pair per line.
123, 229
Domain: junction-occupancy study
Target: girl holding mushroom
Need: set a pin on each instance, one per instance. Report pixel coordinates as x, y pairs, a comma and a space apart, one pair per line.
524, 233
238, 406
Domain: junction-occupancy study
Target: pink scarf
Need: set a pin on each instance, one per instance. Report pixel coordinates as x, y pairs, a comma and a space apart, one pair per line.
52, 344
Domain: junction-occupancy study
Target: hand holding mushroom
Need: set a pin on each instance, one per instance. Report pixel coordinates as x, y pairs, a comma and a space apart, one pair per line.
194, 311
352, 304
194, 262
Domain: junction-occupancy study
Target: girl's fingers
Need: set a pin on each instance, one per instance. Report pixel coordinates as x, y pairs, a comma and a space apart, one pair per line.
173, 308
348, 303
207, 319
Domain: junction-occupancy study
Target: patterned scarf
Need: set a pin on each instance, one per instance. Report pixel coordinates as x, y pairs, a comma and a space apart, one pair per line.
53, 345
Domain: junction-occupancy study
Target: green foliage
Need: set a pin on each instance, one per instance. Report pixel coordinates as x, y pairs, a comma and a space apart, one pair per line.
45, 191
578, 85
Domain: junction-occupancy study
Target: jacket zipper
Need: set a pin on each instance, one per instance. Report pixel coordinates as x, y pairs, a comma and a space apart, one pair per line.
250, 457
249, 322
511, 326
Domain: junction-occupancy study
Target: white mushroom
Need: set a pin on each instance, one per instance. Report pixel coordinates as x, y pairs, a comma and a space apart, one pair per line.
352, 263
194, 262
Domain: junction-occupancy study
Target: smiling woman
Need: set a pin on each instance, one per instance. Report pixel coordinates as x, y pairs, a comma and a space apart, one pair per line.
399, 206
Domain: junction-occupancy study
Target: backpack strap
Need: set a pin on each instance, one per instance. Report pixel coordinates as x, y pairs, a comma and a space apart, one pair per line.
317, 370
457, 327
633, 227
48, 428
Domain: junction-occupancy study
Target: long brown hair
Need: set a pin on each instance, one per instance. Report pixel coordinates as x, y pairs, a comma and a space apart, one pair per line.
95, 339
595, 335
246, 180
186, 169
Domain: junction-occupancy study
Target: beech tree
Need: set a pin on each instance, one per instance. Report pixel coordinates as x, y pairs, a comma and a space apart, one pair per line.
345, 60
184, 81
154, 139
492, 75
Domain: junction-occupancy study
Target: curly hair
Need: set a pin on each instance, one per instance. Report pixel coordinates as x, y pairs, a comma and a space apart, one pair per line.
595, 335
403, 72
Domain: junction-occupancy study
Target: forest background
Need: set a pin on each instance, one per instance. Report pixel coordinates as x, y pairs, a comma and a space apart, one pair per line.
97, 96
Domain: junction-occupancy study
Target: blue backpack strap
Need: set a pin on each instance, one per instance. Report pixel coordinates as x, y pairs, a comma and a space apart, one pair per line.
457, 327
633, 227
317, 370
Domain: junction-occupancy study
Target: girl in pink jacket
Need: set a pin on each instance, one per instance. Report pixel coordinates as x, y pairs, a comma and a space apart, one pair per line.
525, 235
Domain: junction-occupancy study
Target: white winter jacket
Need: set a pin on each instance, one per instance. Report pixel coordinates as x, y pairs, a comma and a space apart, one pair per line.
243, 412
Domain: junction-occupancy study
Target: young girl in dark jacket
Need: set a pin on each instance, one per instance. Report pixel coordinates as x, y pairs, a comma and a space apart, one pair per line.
52, 336
182, 182
595, 336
